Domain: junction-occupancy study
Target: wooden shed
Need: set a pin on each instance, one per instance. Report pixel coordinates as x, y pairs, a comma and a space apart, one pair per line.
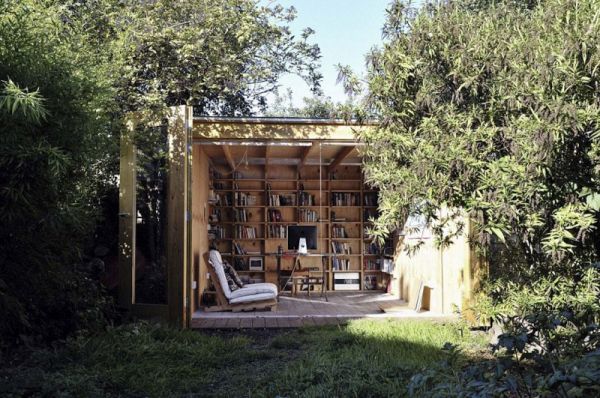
243, 185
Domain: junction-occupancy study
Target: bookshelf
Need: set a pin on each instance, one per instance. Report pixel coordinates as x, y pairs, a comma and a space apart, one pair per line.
250, 210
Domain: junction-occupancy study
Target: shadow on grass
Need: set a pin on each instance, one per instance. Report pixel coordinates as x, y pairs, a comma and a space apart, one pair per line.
363, 358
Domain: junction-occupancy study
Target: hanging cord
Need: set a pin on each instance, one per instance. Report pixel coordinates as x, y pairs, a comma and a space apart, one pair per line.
321, 224
244, 159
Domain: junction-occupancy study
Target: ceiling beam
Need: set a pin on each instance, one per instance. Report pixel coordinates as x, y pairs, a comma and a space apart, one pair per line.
304, 156
340, 157
228, 156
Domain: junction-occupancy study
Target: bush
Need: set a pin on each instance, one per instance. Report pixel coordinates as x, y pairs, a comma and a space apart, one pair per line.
49, 138
550, 344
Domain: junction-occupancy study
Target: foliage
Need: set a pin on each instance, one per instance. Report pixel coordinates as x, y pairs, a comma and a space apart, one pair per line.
493, 378
317, 107
222, 57
491, 107
47, 156
70, 71
364, 358
549, 344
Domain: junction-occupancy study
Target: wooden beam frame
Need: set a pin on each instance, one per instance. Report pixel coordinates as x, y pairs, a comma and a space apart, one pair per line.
340, 157
304, 156
127, 219
178, 264
228, 156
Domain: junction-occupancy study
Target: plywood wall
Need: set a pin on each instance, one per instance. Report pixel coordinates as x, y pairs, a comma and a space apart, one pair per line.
445, 273
199, 210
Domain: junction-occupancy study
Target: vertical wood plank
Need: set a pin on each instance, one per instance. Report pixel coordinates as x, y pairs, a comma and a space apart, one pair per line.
127, 170
177, 205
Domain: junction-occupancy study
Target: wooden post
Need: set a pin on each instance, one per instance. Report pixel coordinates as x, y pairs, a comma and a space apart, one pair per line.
127, 216
180, 126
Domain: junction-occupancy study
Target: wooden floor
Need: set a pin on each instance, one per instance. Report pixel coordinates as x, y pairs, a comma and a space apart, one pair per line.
302, 310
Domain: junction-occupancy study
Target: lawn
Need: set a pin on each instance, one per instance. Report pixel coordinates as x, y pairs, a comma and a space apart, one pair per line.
363, 358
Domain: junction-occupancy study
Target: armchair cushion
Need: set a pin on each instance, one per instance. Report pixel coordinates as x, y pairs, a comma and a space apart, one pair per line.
214, 258
252, 289
252, 298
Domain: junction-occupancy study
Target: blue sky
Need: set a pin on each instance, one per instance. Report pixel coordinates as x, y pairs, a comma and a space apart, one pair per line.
345, 31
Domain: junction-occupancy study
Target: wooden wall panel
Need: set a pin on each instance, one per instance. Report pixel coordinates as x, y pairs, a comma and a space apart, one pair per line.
127, 217
199, 209
446, 271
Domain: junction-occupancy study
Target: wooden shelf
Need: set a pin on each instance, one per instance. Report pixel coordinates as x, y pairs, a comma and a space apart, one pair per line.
321, 190
240, 222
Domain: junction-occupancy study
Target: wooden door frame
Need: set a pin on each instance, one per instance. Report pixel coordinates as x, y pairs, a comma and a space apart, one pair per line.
176, 311
179, 220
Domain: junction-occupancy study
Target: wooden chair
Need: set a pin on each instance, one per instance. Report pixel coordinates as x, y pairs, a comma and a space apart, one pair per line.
222, 302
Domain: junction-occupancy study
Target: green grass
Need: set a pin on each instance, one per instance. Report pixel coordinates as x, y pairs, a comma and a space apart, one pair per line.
363, 358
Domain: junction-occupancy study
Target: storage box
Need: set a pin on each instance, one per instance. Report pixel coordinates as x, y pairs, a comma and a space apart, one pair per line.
346, 281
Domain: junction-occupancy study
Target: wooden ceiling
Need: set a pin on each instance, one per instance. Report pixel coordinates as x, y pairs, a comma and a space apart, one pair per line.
297, 153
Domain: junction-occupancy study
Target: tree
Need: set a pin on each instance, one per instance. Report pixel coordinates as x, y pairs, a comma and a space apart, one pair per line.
492, 108
70, 71
222, 57
316, 107
49, 132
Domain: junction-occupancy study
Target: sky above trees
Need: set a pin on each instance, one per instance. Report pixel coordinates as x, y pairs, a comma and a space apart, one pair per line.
345, 30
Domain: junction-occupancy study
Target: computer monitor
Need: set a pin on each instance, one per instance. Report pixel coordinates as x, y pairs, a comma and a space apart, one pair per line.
295, 232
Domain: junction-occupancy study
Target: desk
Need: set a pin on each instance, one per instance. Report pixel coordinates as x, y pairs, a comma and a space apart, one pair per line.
301, 277
310, 279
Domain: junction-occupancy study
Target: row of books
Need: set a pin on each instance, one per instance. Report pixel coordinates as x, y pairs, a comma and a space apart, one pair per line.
341, 248
372, 265
215, 216
223, 199
241, 215
238, 249
245, 232
345, 199
244, 199
277, 231
216, 232
340, 264
306, 199
307, 215
338, 231
282, 200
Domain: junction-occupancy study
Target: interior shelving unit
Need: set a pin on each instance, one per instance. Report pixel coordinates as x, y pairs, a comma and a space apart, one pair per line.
251, 208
